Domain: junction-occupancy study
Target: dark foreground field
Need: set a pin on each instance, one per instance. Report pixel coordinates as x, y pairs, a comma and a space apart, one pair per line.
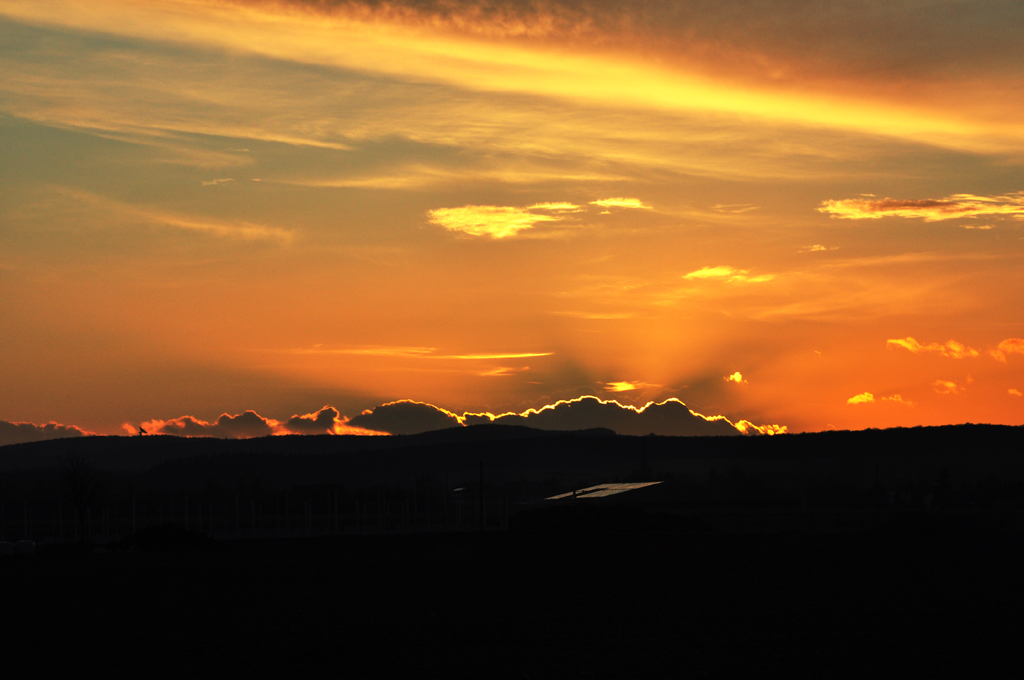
508, 605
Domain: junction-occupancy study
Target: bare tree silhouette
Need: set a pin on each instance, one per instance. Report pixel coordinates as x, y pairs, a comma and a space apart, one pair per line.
79, 485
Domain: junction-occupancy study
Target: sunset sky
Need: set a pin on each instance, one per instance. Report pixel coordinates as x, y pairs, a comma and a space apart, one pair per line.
798, 213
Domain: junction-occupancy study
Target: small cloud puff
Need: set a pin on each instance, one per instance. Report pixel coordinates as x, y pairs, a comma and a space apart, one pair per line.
1008, 346
951, 387
929, 209
1014, 392
817, 248
952, 348
737, 378
725, 273
20, 432
499, 221
869, 398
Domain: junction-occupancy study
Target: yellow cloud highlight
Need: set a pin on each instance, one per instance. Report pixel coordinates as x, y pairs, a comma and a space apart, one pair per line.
747, 427
621, 203
497, 221
817, 248
898, 400
1008, 346
952, 348
736, 377
929, 209
724, 273
862, 398
1014, 392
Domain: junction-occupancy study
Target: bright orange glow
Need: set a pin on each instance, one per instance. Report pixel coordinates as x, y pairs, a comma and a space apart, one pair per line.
240, 210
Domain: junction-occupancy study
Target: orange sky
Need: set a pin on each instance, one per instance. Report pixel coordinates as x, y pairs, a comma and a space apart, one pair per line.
786, 214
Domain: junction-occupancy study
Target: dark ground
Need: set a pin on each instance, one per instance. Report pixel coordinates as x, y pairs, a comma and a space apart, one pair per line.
514, 605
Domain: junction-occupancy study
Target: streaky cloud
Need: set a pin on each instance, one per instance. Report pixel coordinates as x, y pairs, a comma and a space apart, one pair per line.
726, 273
929, 209
952, 348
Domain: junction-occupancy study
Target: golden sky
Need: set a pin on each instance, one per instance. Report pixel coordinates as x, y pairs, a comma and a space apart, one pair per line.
800, 214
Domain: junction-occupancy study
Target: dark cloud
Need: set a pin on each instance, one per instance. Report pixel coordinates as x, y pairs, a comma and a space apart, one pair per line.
405, 417
18, 433
670, 418
321, 422
248, 424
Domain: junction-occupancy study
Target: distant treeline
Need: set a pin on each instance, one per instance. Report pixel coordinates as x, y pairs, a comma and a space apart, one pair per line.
336, 482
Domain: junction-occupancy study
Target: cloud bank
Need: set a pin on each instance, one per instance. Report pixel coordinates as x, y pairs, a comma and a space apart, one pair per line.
668, 418
19, 433
406, 417
250, 424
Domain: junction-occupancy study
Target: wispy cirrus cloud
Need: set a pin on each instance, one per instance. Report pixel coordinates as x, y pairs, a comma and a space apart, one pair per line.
416, 353
952, 348
929, 209
734, 208
725, 273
